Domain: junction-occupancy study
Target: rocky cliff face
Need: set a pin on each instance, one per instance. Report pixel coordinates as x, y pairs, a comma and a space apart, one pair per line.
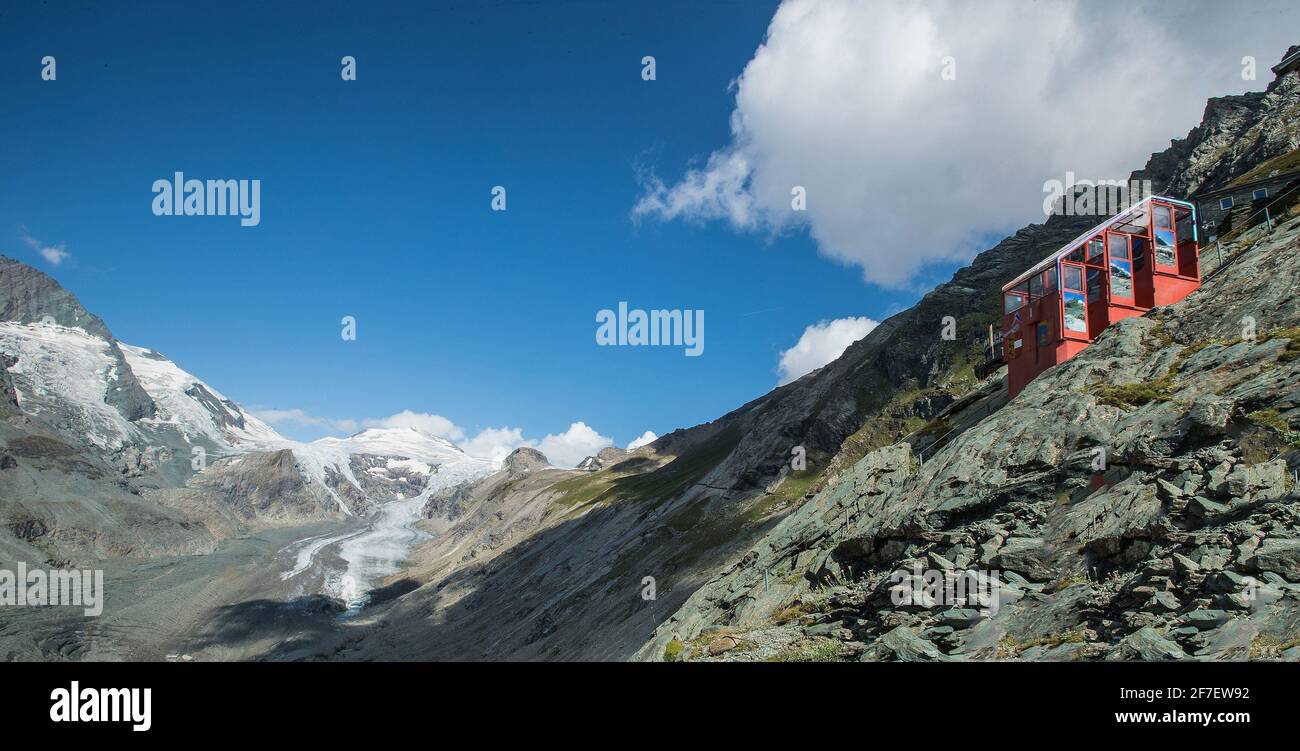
29, 296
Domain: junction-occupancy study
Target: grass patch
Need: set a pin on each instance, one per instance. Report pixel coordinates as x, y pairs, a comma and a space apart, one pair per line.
1161, 389
1009, 647
1136, 394
796, 485
792, 613
822, 650
671, 650
1266, 647
1292, 335
1282, 163
1269, 418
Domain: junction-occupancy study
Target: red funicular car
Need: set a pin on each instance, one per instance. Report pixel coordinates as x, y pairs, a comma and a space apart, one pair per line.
1141, 258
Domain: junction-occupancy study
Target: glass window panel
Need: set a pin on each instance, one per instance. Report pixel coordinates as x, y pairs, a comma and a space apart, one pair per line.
1095, 249
1119, 246
1012, 302
1050, 275
1076, 312
1094, 285
1260, 193
1121, 279
1165, 255
1073, 277
1164, 217
1036, 286
1225, 203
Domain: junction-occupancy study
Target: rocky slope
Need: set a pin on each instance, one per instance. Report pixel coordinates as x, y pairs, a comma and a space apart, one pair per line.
1183, 546
1186, 545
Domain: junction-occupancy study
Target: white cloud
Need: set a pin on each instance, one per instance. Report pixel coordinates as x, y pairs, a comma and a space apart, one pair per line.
423, 421
562, 450
573, 445
821, 343
279, 417
903, 168
646, 438
53, 254
495, 443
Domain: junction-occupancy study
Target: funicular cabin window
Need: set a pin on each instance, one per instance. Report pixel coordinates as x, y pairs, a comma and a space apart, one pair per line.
1076, 311
1121, 267
1013, 301
1073, 278
1164, 234
1035, 286
1259, 193
1095, 250
1050, 276
1094, 285
1225, 203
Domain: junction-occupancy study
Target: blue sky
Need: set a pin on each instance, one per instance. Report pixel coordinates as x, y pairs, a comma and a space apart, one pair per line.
375, 203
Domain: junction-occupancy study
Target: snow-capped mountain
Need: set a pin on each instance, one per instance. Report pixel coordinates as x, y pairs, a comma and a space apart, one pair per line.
61, 377
388, 464
78, 406
193, 407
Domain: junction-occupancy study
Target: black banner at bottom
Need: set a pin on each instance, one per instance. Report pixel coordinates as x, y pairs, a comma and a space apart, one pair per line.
334, 701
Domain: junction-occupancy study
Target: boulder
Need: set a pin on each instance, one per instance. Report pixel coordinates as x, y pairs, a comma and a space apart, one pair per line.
1281, 556
904, 645
1026, 556
1148, 645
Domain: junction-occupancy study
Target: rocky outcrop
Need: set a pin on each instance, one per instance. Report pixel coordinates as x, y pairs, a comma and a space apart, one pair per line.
523, 460
251, 491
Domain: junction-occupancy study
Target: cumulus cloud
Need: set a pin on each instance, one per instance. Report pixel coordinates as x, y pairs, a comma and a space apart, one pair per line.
646, 438
422, 421
821, 343
53, 254
903, 168
495, 443
573, 445
278, 417
561, 449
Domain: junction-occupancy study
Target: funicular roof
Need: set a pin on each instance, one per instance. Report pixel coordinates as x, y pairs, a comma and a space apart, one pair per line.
1124, 218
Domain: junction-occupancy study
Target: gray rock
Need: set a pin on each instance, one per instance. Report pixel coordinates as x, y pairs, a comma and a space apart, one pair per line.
523, 460
904, 645
1148, 645
961, 617
1027, 556
1280, 556
1205, 619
